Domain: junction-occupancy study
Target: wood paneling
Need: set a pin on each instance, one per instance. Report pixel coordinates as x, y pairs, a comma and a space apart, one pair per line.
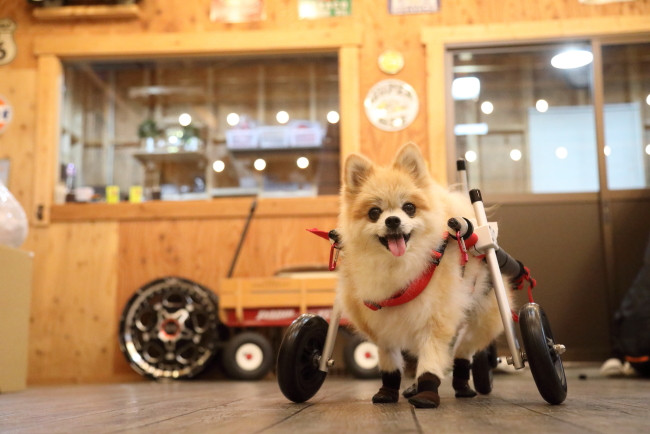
48, 104
73, 324
217, 208
17, 141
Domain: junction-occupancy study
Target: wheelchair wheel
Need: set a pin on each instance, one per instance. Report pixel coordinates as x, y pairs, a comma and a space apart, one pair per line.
298, 375
482, 370
544, 361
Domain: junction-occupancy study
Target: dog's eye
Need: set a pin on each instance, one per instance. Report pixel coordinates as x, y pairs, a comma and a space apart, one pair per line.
374, 214
409, 209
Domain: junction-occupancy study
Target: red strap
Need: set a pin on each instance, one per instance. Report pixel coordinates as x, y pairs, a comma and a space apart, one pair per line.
519, 283
515, 317
320, 233
412, 291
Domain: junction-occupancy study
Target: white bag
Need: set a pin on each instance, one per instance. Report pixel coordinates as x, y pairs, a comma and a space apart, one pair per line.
13, 221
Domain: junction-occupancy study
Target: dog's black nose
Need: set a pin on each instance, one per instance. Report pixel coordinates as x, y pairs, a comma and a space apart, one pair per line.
393, 222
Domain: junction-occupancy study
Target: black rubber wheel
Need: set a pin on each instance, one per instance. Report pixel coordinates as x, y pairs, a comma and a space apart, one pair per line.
170, 329
545, 363
247, 356
361, 359
298, 375
482, 372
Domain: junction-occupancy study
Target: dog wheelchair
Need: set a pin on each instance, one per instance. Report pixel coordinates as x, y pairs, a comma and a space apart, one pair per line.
306, 349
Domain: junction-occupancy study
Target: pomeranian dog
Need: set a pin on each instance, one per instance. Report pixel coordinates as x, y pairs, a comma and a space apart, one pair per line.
393, 226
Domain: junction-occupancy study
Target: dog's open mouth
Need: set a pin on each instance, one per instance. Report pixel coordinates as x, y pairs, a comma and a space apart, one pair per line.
395, 243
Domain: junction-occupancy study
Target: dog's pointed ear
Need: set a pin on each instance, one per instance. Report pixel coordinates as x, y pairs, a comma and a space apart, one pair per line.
410, 160
357, 170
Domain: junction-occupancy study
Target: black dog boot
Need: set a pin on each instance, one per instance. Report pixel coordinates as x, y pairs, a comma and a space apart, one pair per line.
389, 392
427, 396
410, 391
461, 379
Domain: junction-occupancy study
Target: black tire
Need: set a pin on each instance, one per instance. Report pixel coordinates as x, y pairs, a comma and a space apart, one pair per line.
247, 356
169, 329
482, 372
360, 357
298, 375
544, 362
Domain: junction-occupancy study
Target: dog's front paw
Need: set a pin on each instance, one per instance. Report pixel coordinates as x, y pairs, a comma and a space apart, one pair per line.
386, 396
426, 399
411, 391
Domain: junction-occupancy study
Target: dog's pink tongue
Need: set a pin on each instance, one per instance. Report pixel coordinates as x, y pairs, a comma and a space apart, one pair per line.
397, 246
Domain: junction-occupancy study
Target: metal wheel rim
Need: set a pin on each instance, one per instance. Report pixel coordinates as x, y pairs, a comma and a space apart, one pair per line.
170, 329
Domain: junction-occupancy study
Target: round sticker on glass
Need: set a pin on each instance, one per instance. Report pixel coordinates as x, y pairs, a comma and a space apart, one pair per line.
6, 113
391, 105
391, 61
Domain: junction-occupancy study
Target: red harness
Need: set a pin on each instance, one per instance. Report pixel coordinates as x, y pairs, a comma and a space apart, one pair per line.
414, 289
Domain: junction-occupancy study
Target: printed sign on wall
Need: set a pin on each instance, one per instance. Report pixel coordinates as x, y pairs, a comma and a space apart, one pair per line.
6, 113
7, 42
404, 7
391, 105
312, 9
237, 11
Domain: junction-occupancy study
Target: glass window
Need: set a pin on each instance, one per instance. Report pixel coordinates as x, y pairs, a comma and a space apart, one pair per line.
199, 128
626, 77
524, 118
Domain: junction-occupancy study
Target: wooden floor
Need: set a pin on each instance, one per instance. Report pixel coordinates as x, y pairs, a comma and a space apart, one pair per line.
594, 405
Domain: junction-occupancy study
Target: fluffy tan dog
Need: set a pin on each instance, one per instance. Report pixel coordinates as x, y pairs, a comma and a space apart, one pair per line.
392, 218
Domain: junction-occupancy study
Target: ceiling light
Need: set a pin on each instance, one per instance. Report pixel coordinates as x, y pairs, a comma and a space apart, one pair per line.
572, 59
282, 117
607, 150
185, 119
465, 88
232, 119
647, 100
218, 166
302, 162
541, 105
561, 153
487, 107
333, 117
515, 154
259, 164
647, 149
471, 129
470, 156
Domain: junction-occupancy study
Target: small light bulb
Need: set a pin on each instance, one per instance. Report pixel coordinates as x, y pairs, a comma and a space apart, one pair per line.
561, 153
218, 166
470, 156
232, 119
487, 107
541, 106
185, 119
173, 140
302, 162
333, 117
515, 154
259, 164
647, 149
607, 150
282, 117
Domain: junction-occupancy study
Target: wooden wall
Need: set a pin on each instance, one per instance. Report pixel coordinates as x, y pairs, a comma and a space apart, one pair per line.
85, 271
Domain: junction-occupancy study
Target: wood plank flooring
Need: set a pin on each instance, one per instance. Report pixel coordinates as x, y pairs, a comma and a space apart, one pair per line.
594, 405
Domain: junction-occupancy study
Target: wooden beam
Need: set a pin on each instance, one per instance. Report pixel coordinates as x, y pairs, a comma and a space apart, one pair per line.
438, 39
99, 12
48, 105
350, 101
226, 208
207, 43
